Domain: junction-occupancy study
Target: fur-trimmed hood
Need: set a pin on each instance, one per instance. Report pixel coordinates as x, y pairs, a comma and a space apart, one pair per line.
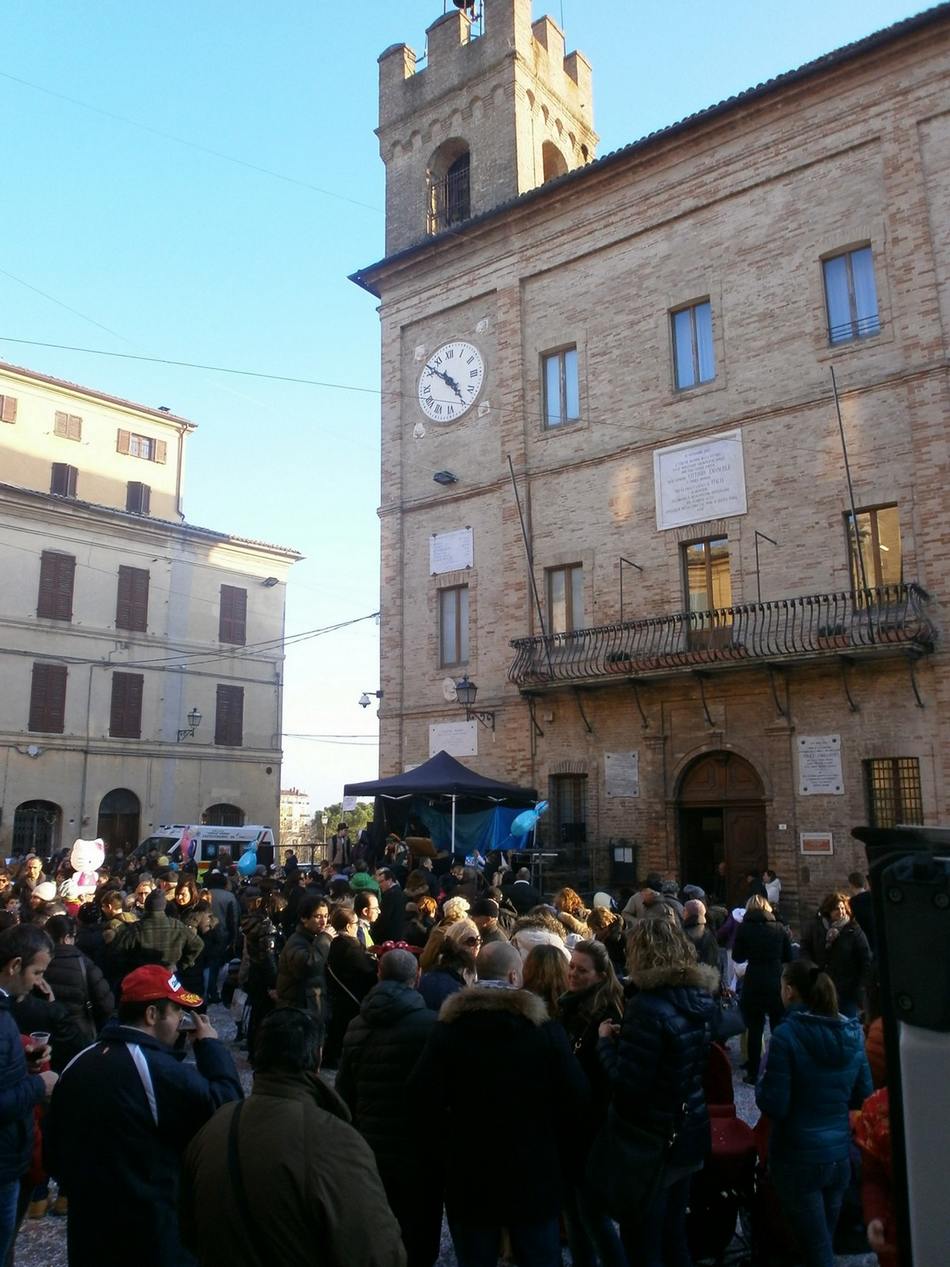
486, 1000
696, 976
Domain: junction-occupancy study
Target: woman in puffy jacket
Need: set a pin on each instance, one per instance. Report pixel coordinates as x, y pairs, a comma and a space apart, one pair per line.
816, 1070
656, 1060
764, 944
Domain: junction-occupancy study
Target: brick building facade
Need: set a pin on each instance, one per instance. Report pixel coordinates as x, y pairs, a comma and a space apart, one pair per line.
653, 340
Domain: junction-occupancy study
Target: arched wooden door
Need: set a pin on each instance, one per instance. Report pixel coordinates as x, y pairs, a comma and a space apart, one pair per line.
119, 816
722, 819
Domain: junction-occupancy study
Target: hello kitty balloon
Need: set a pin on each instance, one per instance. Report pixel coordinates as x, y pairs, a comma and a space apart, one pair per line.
86, 857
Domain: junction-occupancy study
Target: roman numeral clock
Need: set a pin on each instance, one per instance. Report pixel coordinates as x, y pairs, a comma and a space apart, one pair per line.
450, 381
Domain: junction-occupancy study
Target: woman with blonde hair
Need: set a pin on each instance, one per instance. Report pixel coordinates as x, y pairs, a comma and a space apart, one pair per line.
545, 974
764, 944
455, 967
571, 911
656, 1059
608, 928
453, 910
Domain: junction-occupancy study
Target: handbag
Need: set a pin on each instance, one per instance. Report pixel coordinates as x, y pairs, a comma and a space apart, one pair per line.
728, 1021
625, 1165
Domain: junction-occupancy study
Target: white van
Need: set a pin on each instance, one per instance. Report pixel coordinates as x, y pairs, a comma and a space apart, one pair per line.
212, 845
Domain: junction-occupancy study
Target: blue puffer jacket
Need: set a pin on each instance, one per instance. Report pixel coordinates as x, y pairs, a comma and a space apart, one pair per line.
659, 1062
815, 1071
20, 1091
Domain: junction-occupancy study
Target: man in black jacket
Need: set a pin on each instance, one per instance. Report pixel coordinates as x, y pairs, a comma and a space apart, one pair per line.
522, 895
392, 908
380, 1051
301, 980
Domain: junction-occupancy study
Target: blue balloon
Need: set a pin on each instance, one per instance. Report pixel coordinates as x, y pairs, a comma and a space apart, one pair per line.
528, 820
247, 863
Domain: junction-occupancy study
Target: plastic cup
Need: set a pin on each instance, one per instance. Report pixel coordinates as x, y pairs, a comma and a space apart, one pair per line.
40, 1039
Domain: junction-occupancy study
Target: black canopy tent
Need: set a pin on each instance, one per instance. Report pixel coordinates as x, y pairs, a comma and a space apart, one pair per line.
444, 778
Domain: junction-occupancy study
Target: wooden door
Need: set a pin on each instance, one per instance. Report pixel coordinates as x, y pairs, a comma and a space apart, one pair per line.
745, 844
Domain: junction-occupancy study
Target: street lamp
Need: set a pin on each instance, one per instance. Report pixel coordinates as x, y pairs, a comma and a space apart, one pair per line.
465, 692
194, 721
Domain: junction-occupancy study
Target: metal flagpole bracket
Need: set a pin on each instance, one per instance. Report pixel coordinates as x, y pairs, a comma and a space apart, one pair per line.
701, 679
846, 663
636, 695
775, 675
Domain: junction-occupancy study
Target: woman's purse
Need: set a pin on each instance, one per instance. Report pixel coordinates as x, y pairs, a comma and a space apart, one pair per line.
625, 1165
728, 1021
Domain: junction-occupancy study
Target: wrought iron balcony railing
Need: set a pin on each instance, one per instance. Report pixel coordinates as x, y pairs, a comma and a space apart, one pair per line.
809, 627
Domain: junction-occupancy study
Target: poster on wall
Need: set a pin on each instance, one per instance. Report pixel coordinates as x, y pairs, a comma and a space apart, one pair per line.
457, 738
622, 773
451, 551
699, 480
817, 843
819, 765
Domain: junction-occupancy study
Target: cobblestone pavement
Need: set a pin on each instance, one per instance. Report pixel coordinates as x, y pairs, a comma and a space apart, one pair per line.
42, 1242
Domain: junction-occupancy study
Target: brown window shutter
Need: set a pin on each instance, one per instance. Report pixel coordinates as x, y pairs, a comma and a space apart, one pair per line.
63, 480
146, 499
229, 717
7, 408
60, 423
161, 451
57, 572
122, 441
138, 498
74, 427
131, 606
232, 620
125, 720
48, 698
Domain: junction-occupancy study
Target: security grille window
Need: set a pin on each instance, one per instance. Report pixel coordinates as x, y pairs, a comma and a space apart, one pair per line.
55, 597
851, 296
453, 626
229, 717
694, 357
131, 604
138, 498
450, 195
67, 426
63, 479
569, 803
565, 598
561, 387
893, 791
876, 544
48, 699
232, 616
125, 717
138, 446
7, 408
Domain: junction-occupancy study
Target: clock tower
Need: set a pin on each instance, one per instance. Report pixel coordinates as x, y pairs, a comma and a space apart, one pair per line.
494, 109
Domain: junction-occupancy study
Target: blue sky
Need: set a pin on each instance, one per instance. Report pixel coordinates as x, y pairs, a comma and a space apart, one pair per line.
142, 244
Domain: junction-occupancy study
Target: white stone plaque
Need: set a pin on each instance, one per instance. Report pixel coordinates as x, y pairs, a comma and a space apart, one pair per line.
819, 765
457, 738
451, 551
622, 773
699, 480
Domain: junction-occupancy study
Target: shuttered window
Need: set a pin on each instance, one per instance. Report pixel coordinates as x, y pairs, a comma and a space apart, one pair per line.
48, 699
131, 605
63, 480
67, 426
138, 446
7, 408
232, 621
55, 599
138, 498
125, 717
229, 717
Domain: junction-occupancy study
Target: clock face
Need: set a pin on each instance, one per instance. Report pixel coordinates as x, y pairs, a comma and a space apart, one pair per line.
450, 381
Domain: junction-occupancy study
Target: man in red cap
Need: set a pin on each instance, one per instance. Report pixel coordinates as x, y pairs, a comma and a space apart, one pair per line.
125, 1110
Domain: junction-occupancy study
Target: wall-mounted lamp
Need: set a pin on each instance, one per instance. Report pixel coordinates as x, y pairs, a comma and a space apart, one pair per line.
269, 582
445, 478
194, 721
465, 692
367, 698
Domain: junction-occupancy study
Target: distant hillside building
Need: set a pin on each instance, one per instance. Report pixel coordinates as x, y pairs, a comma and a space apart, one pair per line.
296, 819
120, 624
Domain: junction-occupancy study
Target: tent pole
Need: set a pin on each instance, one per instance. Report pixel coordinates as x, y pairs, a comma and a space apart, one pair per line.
453, 826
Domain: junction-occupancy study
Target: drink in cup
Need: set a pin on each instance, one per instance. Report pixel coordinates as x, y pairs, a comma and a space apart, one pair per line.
39, 1038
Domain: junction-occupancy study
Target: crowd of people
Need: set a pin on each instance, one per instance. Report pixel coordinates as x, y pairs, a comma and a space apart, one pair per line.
496, 1054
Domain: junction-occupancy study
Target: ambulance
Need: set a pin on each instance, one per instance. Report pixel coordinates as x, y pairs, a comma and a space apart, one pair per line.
210, 846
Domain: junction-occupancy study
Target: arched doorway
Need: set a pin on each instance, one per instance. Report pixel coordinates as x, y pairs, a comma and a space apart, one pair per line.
223, 816
722, 819
36, 828
119, 815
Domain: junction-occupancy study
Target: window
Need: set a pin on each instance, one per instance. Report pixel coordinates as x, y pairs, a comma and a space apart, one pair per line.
694, 358
708, 586
449, 186
67, 426
232, 617
131, 603
48, 698
138, 498
851, 296
7, 408
55, 599
565, 598
63, 480
229, 717
569, 803
453, 625
137, 446
893, 790
879, 538
561, 390
125, 718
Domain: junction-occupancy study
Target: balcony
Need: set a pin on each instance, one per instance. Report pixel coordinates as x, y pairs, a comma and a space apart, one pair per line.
786, 630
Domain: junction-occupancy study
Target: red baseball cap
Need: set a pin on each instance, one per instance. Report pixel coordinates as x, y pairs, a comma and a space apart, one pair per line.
154, 982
